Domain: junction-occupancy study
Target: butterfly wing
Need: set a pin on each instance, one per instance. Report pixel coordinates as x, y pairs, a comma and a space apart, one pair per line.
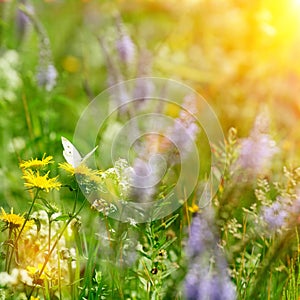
89, 154
70, 153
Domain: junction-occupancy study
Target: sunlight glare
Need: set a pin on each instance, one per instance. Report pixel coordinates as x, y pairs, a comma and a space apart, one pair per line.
295, 3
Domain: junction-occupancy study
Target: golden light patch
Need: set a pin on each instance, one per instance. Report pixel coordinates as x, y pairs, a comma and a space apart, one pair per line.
71, 64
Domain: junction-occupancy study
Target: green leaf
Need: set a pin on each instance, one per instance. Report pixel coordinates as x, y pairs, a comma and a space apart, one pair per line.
37, 223
62, 218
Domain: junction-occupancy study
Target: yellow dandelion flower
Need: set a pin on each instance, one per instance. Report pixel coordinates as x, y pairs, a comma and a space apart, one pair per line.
15, 221
34, 298
83, 170
35, 180
194, 208
93, 175
67, 167
35, 271
32, 270
36, 163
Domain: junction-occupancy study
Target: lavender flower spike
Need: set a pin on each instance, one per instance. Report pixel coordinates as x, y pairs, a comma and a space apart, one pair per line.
201, 237
22, 20
124, 44
258, 149
46, 77
126, 48
275, 216
206, 280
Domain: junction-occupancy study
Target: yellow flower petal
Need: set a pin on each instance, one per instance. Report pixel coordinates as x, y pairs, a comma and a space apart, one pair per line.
194, 208
67, 167
35, 180
83, 170
36, 163
15, 221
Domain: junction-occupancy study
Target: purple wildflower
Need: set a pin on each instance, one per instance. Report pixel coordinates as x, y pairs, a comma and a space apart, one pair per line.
206, 280
114, 75
275, 215
208, 287
282, 213
22, 20
126, 48
144, 180
143, 89
258, 149
183, 137
201, 237
46, 76
192, 281
144, 86
185, 129
256, 152
46, 72
124, 44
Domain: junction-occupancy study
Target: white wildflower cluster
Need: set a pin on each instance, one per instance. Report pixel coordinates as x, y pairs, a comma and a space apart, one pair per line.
10, 80
42, 243
104, 207
123, 172
121, 176
16, 278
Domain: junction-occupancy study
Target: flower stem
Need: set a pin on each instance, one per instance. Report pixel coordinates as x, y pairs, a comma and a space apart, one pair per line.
28, 214
15, 248
8, 253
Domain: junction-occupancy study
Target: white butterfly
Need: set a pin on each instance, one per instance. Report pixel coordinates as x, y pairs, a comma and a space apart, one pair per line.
72, 155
